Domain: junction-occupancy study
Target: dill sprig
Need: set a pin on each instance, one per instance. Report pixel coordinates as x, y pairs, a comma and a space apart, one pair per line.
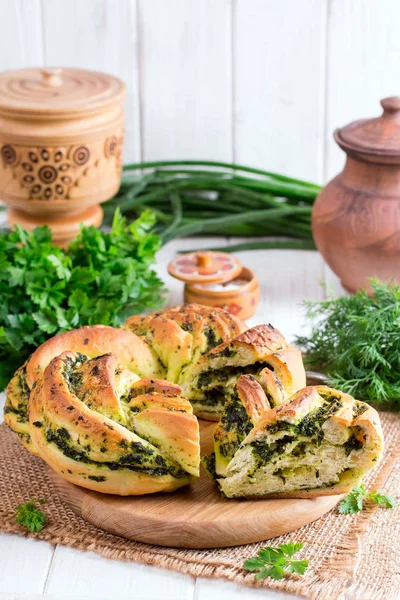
356, 341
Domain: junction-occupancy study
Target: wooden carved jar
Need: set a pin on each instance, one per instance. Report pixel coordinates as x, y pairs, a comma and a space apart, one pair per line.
61, 136
356, 217
217, 279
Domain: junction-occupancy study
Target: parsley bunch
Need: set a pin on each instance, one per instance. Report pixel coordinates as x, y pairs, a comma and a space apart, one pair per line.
356, 340
274, 562
30, 516
354, 502
101, 278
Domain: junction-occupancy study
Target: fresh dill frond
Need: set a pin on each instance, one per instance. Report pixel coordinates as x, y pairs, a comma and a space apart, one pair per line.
355, 340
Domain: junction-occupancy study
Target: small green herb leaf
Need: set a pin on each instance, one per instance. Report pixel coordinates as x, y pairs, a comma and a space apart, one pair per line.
274, 562
276, 572
253, 564
298, 566
30, 516
291, 548
354, 501
382, 500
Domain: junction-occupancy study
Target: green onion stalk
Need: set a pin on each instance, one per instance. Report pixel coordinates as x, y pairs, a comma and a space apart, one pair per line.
198, 197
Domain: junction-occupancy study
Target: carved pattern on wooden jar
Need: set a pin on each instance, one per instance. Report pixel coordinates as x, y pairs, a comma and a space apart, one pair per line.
50, 173
61, 140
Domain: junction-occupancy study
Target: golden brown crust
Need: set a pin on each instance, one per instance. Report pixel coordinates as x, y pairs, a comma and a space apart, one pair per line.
96, 444
284, 375
174, 431
181, 334
299, 404
133, 352
262, 337
16, 407
162, 344
261, 351
252, 397
262, 340
160, 386
231, 430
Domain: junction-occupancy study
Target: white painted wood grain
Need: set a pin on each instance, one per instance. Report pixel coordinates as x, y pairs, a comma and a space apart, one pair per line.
86, 573
362, 67
210, 589
333, 287
24, 564
99, 35
185, 78
21, 35
279, 68
61, 596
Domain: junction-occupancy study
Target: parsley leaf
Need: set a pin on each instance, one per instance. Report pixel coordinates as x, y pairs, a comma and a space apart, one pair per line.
101, 278
274, 562
354, 501
30, 516
382, 500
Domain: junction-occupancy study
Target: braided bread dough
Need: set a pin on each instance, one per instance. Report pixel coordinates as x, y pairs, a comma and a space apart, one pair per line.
113, 410
94, 404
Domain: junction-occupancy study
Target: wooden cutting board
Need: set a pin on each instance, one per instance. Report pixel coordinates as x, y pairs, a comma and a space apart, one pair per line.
195, 516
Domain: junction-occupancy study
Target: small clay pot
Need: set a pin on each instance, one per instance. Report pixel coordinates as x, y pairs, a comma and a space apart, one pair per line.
242, 301
217, 279
356, 217
61, 136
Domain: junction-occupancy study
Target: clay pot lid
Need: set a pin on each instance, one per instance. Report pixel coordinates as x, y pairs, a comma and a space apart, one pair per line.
57, 92
380, 136
205, 267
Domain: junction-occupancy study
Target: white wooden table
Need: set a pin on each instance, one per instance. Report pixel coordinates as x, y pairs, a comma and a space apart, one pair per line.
30, 569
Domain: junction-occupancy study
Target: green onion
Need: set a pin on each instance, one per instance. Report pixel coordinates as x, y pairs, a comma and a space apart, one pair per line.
206, 197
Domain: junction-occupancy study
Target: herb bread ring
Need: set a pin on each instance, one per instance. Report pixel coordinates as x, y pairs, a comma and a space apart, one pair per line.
93, 341
60, 421
100, 426
92, 383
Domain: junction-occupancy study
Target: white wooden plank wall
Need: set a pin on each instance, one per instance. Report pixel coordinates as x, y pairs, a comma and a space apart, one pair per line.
255, 81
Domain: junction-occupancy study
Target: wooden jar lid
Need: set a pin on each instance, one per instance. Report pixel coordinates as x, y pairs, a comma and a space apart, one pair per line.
205, 267
379, 136
54, 93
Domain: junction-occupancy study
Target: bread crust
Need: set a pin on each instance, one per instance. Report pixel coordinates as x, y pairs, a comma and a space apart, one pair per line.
65, 427
156, 349
257, 343
82, 418
182, 334
253, 397
280, 365
133, 352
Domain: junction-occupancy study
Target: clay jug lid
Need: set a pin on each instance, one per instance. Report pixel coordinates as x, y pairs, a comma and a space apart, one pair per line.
54, 92
380, 135
205, 267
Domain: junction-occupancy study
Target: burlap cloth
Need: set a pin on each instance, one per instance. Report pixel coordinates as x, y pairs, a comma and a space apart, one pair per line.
351, 556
